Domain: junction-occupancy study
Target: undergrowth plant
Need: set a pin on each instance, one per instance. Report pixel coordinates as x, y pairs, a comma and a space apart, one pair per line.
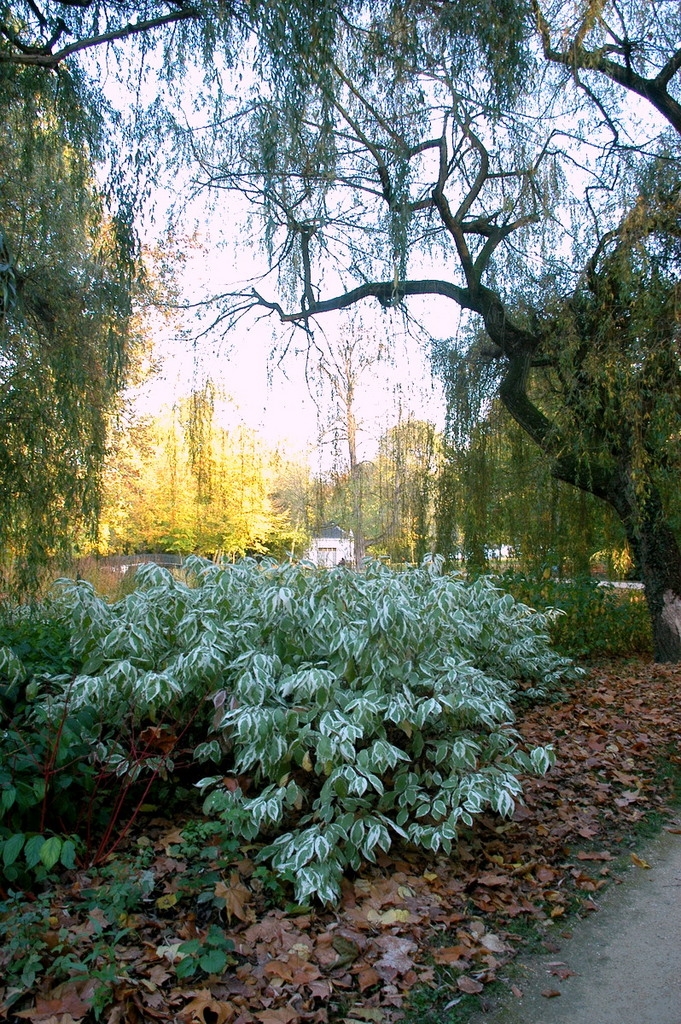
342, 709
596, 619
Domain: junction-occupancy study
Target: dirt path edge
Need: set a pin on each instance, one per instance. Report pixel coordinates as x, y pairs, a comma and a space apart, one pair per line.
626, 957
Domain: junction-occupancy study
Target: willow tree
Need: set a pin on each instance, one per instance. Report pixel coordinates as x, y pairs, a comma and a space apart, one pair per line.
388, 137
486, 502
405, 478
410, 154
630, 45
65, 301
183, 482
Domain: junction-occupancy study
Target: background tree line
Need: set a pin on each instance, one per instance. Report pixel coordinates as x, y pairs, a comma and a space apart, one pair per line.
182, 482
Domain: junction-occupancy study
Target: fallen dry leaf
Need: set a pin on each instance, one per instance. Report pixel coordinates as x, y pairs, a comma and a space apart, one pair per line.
367, 977
388, 917
237, 899
450, 954
396, 958
284, 1015
195, 1011
64, 1001
563, 973
493, 943
469, 985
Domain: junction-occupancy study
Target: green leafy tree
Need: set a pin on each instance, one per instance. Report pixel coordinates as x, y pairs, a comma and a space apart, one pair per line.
182, 483
67, 258
384, 137
405, 478
484, 491
66, 281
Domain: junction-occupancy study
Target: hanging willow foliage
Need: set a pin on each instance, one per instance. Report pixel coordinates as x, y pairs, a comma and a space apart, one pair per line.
66, 283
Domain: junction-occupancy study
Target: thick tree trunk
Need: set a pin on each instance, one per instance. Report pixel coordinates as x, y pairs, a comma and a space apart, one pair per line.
661, 570
659, 558
638, 506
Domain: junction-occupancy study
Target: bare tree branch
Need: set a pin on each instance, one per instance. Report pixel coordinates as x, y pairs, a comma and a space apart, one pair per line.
43, 57
654, 90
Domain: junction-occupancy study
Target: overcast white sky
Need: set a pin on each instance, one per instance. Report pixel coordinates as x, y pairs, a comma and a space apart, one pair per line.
275, 398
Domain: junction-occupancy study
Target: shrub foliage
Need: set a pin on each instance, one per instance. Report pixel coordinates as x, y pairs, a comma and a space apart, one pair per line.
342, 710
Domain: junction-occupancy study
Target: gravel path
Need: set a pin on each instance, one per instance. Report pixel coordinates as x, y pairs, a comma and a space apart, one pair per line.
626, 957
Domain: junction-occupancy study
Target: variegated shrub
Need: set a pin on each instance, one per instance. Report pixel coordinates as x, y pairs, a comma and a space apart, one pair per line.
342, 709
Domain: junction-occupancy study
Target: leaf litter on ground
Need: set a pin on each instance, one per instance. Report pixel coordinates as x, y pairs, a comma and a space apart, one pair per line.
406, 921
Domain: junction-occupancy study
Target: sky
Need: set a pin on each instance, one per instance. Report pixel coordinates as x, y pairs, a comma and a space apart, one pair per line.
271, 397
283, 399
286, 402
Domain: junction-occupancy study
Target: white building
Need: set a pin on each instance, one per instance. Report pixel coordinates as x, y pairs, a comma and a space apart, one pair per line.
332, 546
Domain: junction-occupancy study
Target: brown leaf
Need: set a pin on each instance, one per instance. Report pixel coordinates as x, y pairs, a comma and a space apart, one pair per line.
64, 1000
469, 985
493, 943
158, 737
450, 954
396, 959
237, 898
545, 874
492, 881
320, 989
278, 969
626, 798
283, 1015
195, 1011
551, 993
53, 1018
367, 977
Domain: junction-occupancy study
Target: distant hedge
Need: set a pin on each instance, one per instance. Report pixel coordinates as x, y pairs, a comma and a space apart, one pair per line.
597, 619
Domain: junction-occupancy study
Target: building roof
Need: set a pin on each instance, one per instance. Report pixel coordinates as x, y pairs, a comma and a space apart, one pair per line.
332, 531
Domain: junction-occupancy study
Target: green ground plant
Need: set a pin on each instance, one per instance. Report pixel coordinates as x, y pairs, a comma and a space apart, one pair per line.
35, 942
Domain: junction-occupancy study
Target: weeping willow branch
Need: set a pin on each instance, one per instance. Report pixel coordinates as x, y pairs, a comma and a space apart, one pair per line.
42, 56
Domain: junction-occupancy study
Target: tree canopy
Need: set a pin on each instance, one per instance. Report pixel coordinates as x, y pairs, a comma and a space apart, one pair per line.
66, 279
183, 482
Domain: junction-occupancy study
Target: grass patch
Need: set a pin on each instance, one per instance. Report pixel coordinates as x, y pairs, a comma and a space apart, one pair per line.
446, 1005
